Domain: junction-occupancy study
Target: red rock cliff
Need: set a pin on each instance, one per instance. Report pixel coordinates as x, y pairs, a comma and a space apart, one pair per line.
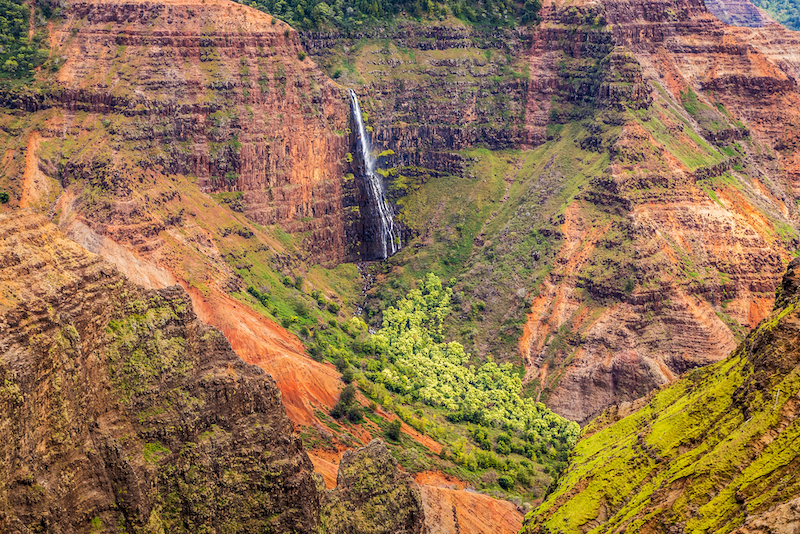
212, 90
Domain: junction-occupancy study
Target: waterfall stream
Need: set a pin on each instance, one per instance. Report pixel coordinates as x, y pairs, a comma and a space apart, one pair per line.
388, 235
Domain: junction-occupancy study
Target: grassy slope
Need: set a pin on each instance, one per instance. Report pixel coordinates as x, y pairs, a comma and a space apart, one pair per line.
701, 454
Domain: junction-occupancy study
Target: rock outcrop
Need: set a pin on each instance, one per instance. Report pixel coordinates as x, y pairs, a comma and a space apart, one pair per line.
372, 496
121, 410
713, 452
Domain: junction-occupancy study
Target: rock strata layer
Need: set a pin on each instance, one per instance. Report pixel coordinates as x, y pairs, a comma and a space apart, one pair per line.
121, 410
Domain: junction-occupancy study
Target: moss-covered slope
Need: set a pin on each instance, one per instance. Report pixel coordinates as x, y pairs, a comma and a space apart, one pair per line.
717, 450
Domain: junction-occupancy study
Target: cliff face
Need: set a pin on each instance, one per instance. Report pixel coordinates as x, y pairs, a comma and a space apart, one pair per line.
713, 452
211, 90
680, 242
433, 89
122, 410
373, 495
739, 13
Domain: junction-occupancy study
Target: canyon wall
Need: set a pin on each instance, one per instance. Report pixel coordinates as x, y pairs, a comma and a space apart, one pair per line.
697, 199
215, 91
432, 89
712, 452
122, 410
647, 231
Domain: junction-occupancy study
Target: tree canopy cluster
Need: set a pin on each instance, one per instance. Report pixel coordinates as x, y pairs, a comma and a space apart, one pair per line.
343, 15
19, 55
421, 365
787, 12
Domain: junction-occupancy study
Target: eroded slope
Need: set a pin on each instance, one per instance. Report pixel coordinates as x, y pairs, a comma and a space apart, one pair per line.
715, 452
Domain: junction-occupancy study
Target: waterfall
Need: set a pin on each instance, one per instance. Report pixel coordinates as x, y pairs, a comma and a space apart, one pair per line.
388, 235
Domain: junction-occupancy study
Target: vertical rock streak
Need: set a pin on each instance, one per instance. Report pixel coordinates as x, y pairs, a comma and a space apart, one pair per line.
388, 236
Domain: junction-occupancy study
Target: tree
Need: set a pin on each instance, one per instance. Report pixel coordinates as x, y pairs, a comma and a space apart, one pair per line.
355, 414
506, 482
348, 375
10, 65
393, 430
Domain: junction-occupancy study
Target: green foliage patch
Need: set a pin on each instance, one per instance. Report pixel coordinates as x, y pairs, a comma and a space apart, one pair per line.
434, 372
787, 12
315, 14
19, 53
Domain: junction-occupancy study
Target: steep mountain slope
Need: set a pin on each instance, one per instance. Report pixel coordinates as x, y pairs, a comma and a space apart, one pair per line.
122, 410
739, 13
715, 452
153, 105
696, 209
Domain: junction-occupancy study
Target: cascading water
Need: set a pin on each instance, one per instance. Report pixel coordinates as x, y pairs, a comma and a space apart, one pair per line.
387, 234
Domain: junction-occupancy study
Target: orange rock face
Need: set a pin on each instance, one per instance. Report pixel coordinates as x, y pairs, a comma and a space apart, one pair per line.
696, 232
216, 91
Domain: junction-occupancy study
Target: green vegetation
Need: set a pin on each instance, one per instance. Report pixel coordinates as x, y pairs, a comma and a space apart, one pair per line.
427, 383
313, 14
693, 443
4, 198
422, 365
393, 430
787, 12
19, 53
347, 406
154, 452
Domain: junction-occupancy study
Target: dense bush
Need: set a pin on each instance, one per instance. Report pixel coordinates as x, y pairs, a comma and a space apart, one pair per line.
429, 370
393, 430
787, 12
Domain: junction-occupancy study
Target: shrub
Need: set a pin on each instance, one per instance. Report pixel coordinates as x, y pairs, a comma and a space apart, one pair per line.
506, 482
355, 414
4, 198
316, 353
348, 375
393, 430
348, 395
301, 55
301, 308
